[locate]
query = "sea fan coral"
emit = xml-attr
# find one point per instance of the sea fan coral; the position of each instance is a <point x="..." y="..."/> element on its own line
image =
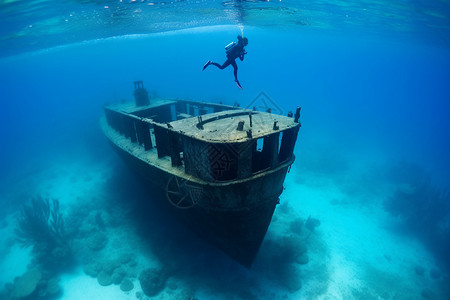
<point x="41" y="224"/>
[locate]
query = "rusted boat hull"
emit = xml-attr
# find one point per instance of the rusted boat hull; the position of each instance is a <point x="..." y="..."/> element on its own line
<point x="232" y="216"/>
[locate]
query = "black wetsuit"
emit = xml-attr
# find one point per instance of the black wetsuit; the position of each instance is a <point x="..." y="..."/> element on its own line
<point x="237" y="51"/>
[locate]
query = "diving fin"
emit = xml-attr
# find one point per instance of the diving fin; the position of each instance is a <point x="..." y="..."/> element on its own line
<point x="206" y="65"/>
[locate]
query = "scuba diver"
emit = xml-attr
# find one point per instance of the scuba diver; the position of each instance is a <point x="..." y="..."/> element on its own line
<point x="233" y="51"/>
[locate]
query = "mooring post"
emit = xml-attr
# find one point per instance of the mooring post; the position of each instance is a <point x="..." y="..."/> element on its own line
<point x="297" y="114"/>
<point x="275" y="125"/>
<point x="240" y="126"/>
<point x="200" y="122"/>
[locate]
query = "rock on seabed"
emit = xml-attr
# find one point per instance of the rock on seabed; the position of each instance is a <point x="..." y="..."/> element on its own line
<point x="152" y="281"/>
<point x="26" y="284"/>
<point x="126" y="285"/>
<point x="104" y="279"/>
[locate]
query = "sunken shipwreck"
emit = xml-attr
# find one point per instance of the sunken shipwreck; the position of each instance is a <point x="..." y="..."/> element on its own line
<point x="221" y="167"/>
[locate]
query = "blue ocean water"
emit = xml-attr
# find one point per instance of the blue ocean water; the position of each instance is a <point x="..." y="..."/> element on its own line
<point x="372" y="158"/>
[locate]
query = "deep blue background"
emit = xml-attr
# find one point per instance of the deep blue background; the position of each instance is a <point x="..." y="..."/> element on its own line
<point x="362" y="97"/>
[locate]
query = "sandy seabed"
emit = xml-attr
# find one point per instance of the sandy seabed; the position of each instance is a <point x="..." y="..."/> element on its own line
<point x="353" y="254"/>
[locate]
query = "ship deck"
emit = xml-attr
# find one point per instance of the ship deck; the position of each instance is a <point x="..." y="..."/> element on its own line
<point x="222" y="126"/>
<point x="217" y="127"/>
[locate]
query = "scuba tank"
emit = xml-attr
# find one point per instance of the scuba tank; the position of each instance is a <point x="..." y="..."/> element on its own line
<point x="230" y="47"/>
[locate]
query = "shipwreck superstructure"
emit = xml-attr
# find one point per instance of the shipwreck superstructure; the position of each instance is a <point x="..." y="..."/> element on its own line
<point x="222" y="167"/>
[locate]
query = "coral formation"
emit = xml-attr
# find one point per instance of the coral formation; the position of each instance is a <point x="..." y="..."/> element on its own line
<point x="312" y="223"/>
<point x="92" y="269"/>
<point x="25" y="285"/>
<point x="104" y="279"/>
<point x="111" y="270"/>
<point x="96" y="241"/>
<point x="152" y="281"/>
<point x="126" y="285"/>
<point x="118" y="275"/>
<point x="33" y="284"/>
<point x="41" y="223"/>
<point x="296" y="226"/>
<point x="41" y="226"/>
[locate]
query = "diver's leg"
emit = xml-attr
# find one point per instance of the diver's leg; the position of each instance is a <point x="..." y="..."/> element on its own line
<point x="225" y="64"/>
<point x="235" y="67"/>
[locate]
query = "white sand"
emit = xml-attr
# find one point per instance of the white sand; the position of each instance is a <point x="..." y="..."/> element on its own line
<point x="78" y="286"/>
